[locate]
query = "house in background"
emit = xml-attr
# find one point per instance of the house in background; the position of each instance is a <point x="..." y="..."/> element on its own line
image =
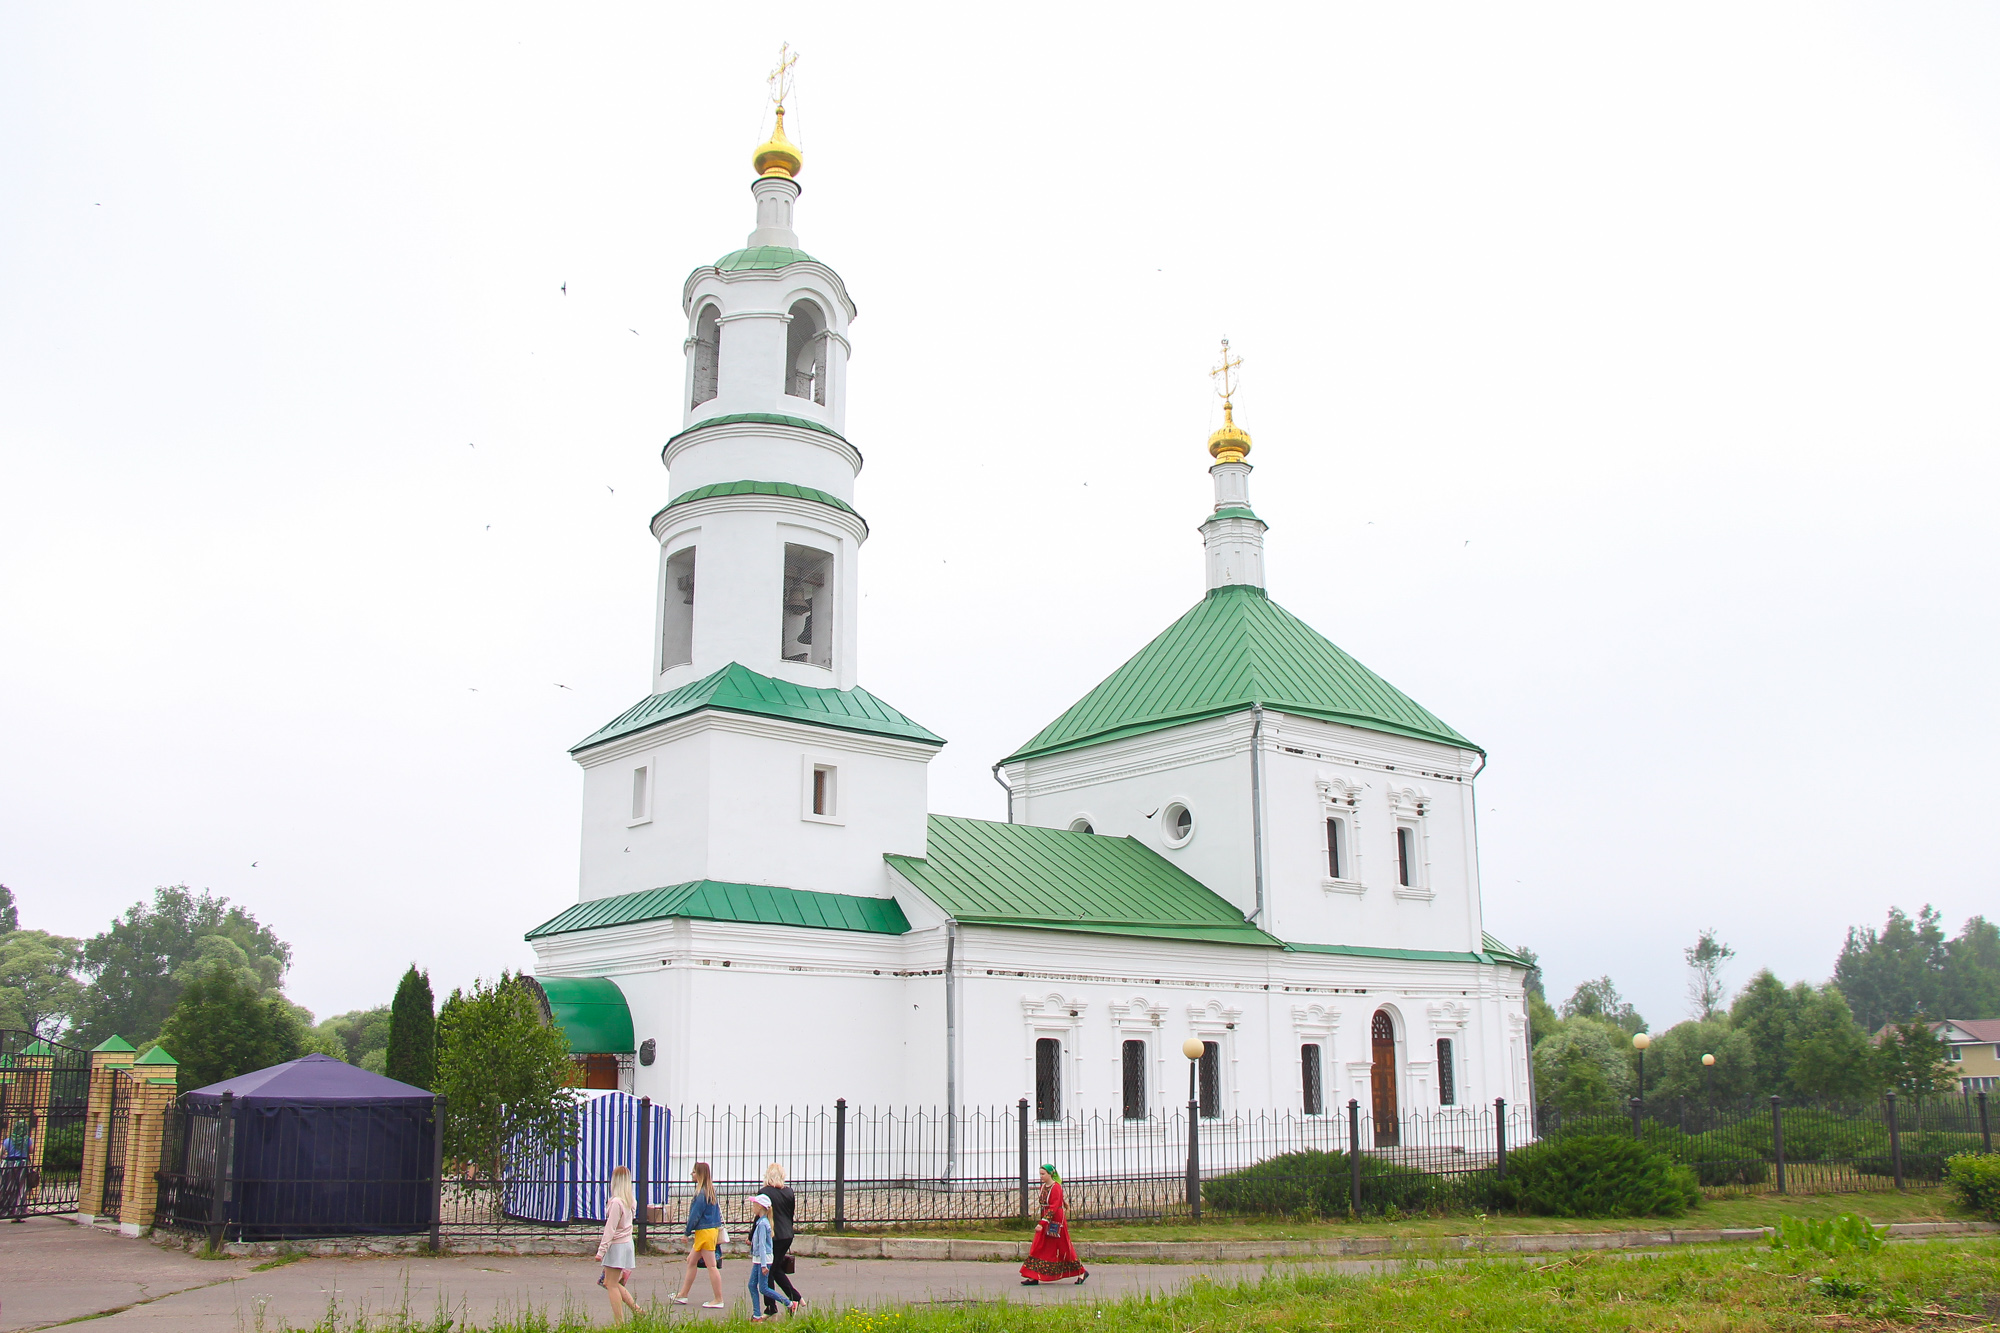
<point x="1975" y="1051"/>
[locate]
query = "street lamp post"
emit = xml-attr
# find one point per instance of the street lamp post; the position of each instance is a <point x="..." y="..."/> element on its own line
<point x="1194" y="1049"/>
<point x="1640" y="1041"/>
<point x="1708" y="1082"/>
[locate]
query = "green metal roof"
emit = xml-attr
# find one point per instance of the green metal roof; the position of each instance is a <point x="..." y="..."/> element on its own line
<point x="762" y="256"/>
<point x="737" y="689"/>
<point x="159" y="1055"/>
<point x="713" y="900"/>
<point x="1411" y="955"/>
<point x="1502" y="953"/>
<point x="759" y="419"/>
<point x="114" y="1045"/>
<point x="783" y="488"/>
<point x="1233" y="511"/>
<point x="984" y="873"/>
<point x="591" y="1011"/>
<point x="1236" y="648"/>
<point x="38" y="1048"/>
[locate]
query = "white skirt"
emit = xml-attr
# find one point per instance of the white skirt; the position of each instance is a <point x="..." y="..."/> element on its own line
<point x="619" y="1255"/>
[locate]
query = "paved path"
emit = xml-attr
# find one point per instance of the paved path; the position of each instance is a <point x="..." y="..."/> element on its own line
<point x="52" y="1271"/>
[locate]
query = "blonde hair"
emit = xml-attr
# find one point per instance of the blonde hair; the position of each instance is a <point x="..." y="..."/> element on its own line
<point x="621" y="1187"/>
<point x="704" y="1181"/>
<point x="774" y="1174"/>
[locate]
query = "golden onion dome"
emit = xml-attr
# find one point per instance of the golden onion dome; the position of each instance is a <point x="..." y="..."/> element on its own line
<point x="1232" y="442"/>
<point x="777" y="155"/>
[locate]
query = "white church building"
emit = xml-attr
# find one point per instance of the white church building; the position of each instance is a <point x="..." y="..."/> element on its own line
<point x="1242" y="836"/>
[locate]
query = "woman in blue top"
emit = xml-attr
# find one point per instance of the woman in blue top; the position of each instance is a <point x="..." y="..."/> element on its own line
<point x="704" y="1225"/>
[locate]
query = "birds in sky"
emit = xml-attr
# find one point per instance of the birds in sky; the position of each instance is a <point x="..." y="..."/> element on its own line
<point x="565" y="287"/>
<point x="559" y="685"/>
<point x="253" y="865"/>
<point x="611" y="489"/>
<point x="633" y="332"/>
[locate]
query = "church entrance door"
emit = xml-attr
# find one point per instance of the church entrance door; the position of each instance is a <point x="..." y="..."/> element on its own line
<point x="1382" y="1081"/>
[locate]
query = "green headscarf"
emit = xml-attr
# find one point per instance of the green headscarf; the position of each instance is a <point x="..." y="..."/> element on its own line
<point x="1053" y="1172"/>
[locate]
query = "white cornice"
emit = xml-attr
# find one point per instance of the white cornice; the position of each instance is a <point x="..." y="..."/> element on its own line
<point x="695" y="434"/>
<point x="776" y="276"/>
<point x="809" y="513"/>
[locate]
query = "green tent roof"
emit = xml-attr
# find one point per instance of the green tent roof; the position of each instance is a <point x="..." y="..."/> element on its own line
<point x="759" y="419"/>
<point x="782" y="488"/>
<point x="714" y="900"/>
<point x="737" y="689"/>
<point x="159" y="1055"/>
<point x="1236" y="648"/>
<point x="114" y="1045"/>
<point x="1051" y="879"/>
<point x="762" y="256"/>
<point x="591" y="1011"/>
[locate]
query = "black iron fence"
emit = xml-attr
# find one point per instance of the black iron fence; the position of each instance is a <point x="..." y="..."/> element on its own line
<point x="44" y="1101"/>
<point x="862" y="1167"/>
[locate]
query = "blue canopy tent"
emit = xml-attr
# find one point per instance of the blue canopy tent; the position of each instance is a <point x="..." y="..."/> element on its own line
<point x="315" y="1147"/>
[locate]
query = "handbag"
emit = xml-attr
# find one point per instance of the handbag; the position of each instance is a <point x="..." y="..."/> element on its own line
<point x="788" y="1265"/>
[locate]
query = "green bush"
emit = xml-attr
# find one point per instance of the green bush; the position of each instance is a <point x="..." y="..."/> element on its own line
<point x="1924" y="1155"/>
<point x="1318" y="1184"/>
<point x="1597" y="1176"/>
<point x="1976" y="1177"/>
<point x="64" y="1150"/>
<point x="1832" y="1235"/>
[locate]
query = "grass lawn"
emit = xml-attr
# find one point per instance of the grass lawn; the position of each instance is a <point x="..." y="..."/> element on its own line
<point x="1922" y="1285"/>
<point x="1916" y="1205"/>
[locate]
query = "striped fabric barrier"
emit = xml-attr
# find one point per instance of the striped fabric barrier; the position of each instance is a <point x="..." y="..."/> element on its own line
<point x="571" y="1186"/>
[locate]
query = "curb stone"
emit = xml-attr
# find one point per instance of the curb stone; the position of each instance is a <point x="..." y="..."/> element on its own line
<point x="1000" y="1251"/>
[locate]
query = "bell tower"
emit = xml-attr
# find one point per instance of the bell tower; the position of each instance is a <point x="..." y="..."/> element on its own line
<point x="757" y="759"/>
<point x="759" y="540"/>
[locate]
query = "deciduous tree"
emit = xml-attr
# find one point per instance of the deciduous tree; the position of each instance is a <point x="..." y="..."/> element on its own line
<point x="506" y="1077"/>
<point x="223" y="1025"/>
<point x="1705" y="961"/>
<point x="38" y="989"/>
<point x="139" y="967"/>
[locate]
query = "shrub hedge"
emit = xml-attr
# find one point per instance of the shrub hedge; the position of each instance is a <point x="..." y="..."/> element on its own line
<point x="1596" y="1175"/>
<point x="1318" y="1184"/>
<point x="1976" y="1177"/>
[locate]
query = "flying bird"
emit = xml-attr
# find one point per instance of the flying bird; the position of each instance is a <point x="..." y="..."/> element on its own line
<point x="253" y="865"/>
<point x="633" y="332"/>
<point x="559" y="685"/>
<point x="565" y="287"/>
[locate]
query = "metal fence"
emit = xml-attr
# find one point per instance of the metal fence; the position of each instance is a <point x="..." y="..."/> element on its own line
<point x="862" y="1166"/>
<point x="44" y="1100"/>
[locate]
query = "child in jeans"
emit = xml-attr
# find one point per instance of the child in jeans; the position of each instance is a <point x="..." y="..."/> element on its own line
<point x="761" y="1291"/>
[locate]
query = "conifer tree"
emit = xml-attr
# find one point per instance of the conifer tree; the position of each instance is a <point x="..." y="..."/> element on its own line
<point x="413" y="1031"/>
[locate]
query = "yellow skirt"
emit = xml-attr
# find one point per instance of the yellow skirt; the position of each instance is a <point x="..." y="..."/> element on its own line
<point x="705" y="1238"/>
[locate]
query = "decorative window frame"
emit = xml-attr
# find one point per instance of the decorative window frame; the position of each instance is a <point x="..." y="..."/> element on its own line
<point x="1409" y="808"/>
<point x="1340" y="799"/>
<point x="1316" y="1025"/>
<point x="1082" y="817"/>
<point x="1052" y="1015"/>
<point x="644" y="815"/>
<point x="808" y="763"/>
<point x="1139" y="1020"/>
<point x="1448" y="1020"/>
<point x="1216" y="1022"/>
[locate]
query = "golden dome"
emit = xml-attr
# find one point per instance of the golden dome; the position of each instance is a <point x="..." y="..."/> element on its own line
<point x="1232" y="442"/>
<point x="777" y="155"/>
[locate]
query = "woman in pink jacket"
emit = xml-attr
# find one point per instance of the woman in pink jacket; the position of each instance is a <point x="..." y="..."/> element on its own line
<point x="614" y="1247"/>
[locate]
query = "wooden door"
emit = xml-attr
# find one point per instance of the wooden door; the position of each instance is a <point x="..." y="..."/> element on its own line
<point x="1382" y="1081"/>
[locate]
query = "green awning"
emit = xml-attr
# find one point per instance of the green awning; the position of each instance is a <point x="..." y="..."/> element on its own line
<point x="591" y="1011"/>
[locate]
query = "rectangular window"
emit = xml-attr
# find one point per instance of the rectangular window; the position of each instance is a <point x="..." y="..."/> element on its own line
<point x="1309" y="1079"/>
<point x="1336" y="849"/>
<point x="824" y="790"/>
<point x="642" y="793"/>
<point x="1447" y="1076"/>
<point x="1406" y="838"/>
<point x="1048" y="1078"/>
<point x="1211" y="1080"/>
<point x="808" y="613"/>
<point x="1135" y="1080"/>
<point x="677" y="611"/>
<point x="1957" y="1053"/>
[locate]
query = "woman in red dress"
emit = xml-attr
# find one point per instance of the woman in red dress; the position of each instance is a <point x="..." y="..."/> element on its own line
<point x="1052" y="1256"/>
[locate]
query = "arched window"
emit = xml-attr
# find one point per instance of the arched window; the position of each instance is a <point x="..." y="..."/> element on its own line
<point x="707" y="355"/>
<point x="677" y="612"/>
<point x="805" y="354"/>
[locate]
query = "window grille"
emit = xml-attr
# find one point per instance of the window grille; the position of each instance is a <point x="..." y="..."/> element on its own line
<point x="1309" y="1079"/>
<point x="1135" y="1080"/>
<point x="1048" y="1078"/>
<point x="1211" y="1080"/>
<point x="1336" y="849"/>
<point x="1405" y="847"/>
<point x="1447" y="1076"/>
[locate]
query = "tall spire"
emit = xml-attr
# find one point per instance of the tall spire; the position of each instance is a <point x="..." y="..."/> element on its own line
<point x="777" y="162"/>
<point x="1233" y="535"/>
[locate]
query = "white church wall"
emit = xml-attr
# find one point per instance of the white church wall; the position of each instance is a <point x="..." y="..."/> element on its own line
<point x="735" y="453"/>
<point x="731" y="799"/>
<point x="1127" y="787"/>
<point x="1373" y="783"/>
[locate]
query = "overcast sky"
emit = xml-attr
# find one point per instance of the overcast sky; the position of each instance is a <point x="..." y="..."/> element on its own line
<point x="1623" y="382"/>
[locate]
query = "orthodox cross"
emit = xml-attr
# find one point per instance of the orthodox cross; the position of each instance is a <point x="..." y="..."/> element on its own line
<point x="1225" y="374"/>
<point x="781" y="77"/>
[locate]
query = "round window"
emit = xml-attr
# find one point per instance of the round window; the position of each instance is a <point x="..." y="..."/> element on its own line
<point x="1179" y="825"/>
<point x="1081" y="826"/>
